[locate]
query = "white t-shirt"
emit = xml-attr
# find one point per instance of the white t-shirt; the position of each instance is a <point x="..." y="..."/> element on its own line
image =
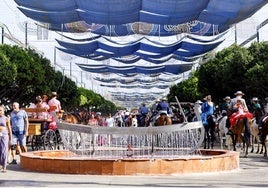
<point x="110" y="122"/>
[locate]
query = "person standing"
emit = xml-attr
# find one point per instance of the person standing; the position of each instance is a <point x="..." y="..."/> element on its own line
<point x="198" y="106"/>
<point x="110" y="120"/>
<point x="19" y="125"/>
<point x="55" y="107"/>
<point x="92" y="120"/>
<point x="54" y="102"/>
<point x="44" y="102"/>
<point x="5" y="129"/>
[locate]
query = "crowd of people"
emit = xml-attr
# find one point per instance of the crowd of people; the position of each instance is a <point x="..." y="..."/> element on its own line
<point x="235" y="109"/>
<point x="14" y="127"/>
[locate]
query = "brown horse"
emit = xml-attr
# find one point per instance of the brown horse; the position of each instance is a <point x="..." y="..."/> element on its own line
<point x="70" y="118"/>
<point x="264" y="133"/>
<point x="163" y="120"/>
<point x="241" y="133"/>
<point x="83" y="116"/>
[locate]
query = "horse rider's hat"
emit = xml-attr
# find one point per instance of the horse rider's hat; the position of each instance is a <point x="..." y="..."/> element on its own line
<point x="227" y="98"/>
<point x="198" y="102"/>
<point x="255" y="99"/>
<point x="164" y="99"/>
<point x="97" y="114"/>
<point x="239" y="93"/>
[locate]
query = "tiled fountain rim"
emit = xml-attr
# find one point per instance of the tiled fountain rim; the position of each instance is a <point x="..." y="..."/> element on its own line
<point x="57" y="162"/>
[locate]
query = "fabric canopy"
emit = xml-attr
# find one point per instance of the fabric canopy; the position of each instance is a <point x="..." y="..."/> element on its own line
<point x="196" y="28"/>
<point x="187" y="49"/>
<point x="160" y="15"/>
<point x="151" y="80"/>
<point x="129" y="70"/>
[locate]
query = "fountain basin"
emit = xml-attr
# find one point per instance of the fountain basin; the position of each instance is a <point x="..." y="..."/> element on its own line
<point x="67" y="162"/>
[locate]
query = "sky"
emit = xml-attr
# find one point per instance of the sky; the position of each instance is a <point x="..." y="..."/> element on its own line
<point x="44" y="42"/>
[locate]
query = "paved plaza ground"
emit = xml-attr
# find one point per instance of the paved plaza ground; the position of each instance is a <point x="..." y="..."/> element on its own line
<point x="253" y="172"/>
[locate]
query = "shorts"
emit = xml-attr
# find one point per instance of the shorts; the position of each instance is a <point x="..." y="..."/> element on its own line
<point x="21" y="139"/>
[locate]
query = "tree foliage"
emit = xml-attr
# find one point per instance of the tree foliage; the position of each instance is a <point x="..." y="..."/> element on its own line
<point x="186" y="90"/>
<point x="234" y="68"/>
<point x="26" y="74"/>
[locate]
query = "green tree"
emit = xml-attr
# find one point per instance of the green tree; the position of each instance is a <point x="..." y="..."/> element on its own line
<point x="8" y="70"/>
<point x="234" y="68"/>
<point x="186" y="90"/>
<point x="225" y="73"/>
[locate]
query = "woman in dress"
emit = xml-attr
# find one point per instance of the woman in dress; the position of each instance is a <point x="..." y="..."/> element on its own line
<point x="5" y="138"/>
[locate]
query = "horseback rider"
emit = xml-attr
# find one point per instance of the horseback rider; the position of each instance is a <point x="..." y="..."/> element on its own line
<point x="261" y="120"/>
<point x="256" y="108"/>
<point x="163" y="107"/>
<point x="237" y="110"/>
<point x="154" y="107"/>
<point x="225" y="104"/>
<point x="207" y="109"/>
<point x="255" y="104"/>
<point x="144" y="110"/>
<point x="164" y="113"/>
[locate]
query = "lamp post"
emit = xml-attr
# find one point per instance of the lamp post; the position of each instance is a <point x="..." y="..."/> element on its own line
<point x="3" y="34"/>
<point x="26" y="34"/>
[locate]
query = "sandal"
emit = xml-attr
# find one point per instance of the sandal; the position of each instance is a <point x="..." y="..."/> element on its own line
<point x="4" y="170"/>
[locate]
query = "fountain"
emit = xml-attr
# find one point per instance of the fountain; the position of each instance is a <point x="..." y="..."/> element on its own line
<point x="162" y="150"/>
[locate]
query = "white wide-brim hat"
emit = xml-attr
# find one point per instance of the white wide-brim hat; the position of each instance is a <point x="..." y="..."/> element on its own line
<point x="198" y="102"/>
<point x="227" y="98"/>
<point x="255" y="99"/>
<point x="239" y="93"/>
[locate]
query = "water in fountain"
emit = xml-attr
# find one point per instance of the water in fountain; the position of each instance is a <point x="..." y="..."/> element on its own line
<point x="172" y="141"/>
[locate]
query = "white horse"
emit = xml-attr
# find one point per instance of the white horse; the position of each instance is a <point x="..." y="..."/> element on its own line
<point x="226" y="140"/>
<point x="255" y="136"/>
